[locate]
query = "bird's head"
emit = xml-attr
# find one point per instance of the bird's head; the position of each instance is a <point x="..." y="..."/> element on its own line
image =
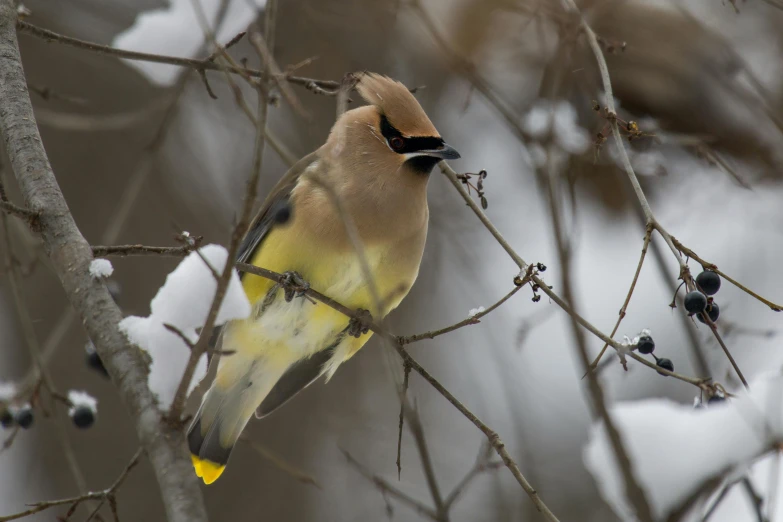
<point x="392" y="133"/>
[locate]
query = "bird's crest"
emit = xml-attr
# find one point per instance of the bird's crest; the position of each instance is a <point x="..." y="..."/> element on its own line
<point x="395" y="101"/>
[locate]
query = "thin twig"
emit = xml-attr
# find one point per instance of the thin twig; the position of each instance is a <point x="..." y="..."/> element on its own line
<point x="22" y="213"/>
<point x="414" y="424"/>
<point x="452" y="176"/>
<point x="482" y="465"/>
<point x="624" y="308"/>
<point x="725" y="348"/>
<point x="279" y="463"/>
<point x="140" y="250"/>
<point x="633" y="490"/>
<point x="387" y="488"/>
<point x="100" y="496"/>
<point x="473" y="319"/>
<point x="711" y="266"/>
<point x="325" y="87"/>
<point x="406" y="370"/>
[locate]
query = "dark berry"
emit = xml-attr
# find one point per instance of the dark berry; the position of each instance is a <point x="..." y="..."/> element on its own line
<point x="94" y="360"/>
<point x="83" y="417"/>
<point x="666" y="364"/>
<point x="716" y="399"/>
<point x="709" y="282"/>
<point x="713" y="310"/>
<point x="695" y="302"/>
<point x="6" y="418"/>
<point x="24" y="417"/>
<point x="646" y="345"/>
<point x="114" y="289"/>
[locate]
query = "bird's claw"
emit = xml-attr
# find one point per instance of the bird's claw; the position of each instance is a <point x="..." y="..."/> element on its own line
<point x="293" y="285"/>
<point x="360" y="324"/>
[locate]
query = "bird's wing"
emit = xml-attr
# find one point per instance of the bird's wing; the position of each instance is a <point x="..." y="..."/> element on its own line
<point x="263" y="223"/>
<point x="275" y="201"/>
<point x="296" y="378"/>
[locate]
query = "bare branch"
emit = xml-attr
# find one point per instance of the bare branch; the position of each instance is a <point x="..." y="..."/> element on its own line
<point x="325" y="87"/>
<point x="70" y="256"/>
<point x="140" y="250"/>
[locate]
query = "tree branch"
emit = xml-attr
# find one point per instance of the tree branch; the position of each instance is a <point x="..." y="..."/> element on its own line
<point x="70" y="257"/>
<point x="325" y="87"/>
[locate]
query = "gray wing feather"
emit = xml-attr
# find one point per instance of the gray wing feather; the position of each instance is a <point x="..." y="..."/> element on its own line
<point x="298" y="377"/>
<point x="278" y="198"/>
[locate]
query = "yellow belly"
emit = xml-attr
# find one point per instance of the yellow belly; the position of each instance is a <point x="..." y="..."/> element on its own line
<point x="286" y="332"/>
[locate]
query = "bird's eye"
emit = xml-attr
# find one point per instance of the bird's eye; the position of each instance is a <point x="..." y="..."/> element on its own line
<point x="396" y="143"/>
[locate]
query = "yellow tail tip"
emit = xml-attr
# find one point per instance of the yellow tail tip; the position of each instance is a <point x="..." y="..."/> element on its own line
<point x="207" y="470"/>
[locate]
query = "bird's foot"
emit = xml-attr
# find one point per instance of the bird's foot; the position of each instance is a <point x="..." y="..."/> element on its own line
<point x="360" y="324"/>
<point x="293" y="285"/>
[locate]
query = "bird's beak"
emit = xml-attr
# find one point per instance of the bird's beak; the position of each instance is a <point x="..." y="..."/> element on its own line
<point x="443" y="152"/>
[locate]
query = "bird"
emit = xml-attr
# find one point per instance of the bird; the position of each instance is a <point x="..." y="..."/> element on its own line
<point x="369" y="177"/>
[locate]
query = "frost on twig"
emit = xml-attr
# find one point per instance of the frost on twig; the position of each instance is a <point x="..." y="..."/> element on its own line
<point x="178" y="311"/>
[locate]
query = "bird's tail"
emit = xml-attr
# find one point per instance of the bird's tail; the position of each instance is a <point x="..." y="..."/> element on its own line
<point x="225" y="410"/>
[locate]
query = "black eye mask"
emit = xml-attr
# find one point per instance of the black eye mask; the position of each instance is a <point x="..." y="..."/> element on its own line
<point x="402" y="145"/>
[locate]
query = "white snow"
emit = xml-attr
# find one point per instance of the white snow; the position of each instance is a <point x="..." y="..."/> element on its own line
<point x="538" y="121"/>
<point x="475" y="311"/>
<point x="81" y="398"/>
<point x="559" y="119"/>
<point x="176" y="31"/>
<point x="7" y="391"/>
<point x="100" y="268"/>
<point x="675" y="448"/>
<point x="183" y="301"/>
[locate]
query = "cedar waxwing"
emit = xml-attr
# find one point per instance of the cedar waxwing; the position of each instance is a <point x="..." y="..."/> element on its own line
<point x="377" y="160"/>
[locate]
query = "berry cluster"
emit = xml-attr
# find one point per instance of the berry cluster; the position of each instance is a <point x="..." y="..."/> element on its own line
<point x="82" y="410"/>
<point x="21" y="416"/>
<point x="644" y="344"/>
<point x="478" y="187"/>
<point x="717" y="397"/>
<point x="700" y="302"/>
<point x="17" y="409"/>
